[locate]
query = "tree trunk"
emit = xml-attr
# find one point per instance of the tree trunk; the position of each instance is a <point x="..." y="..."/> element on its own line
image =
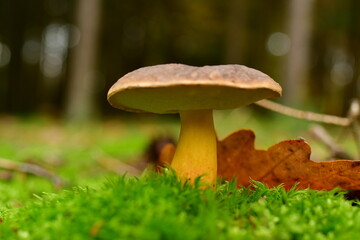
<point x="15" y="93"/>
<point x="300" y="18"/>
<point x="353" y="89"/>
<point x="80" y="104"/>
<point x="235" y="31"/>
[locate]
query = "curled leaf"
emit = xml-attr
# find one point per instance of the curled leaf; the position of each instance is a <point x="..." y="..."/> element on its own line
<point x="166" y="155"/>
<point x="287" y="163"/>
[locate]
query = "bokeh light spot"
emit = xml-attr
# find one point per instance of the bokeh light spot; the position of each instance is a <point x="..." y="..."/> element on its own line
<point x="5" y="55"/>
<point x="278" y="44"/>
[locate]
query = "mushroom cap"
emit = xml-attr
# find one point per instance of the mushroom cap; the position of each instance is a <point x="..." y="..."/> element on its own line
<point x="170" y="88"/>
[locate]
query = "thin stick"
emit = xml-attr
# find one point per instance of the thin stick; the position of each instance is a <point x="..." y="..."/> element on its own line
<point x="352" y="119"/>
<point x="32" y="169"/>
<point x="356" y="131"/>
<point x="311" y="116"/>
<point x="119" y="167"/>
<point x="353" y="115"/>
<point x="336" y="150"/>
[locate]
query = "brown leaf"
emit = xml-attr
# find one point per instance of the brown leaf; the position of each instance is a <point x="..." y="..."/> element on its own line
<point x="287" y="162"/>
<point x="166" y="155"/>
<point x="96" y="227"/>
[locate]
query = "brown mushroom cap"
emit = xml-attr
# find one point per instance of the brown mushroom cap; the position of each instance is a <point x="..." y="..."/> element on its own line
<point x="170" y="88"/>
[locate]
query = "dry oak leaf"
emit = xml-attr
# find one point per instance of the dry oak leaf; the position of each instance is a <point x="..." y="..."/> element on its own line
<point x="287" y="162"/>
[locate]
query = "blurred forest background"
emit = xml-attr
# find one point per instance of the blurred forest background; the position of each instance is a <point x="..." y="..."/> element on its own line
<point x="60" y="57"/>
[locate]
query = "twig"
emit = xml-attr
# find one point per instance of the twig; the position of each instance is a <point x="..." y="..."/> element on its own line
<point x="351" y="121"/>
<point x="32" y="169"/>
<point x="119" y="167"/>
<point x="353" y="115"/>
<point x="336" y="150"/>
<point x="311" y="116"/>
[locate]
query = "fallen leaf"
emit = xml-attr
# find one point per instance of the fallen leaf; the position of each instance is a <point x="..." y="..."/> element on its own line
<point x="166" y="155"/>
<point x="94" y="230"/>
<point x="287" y="163"/>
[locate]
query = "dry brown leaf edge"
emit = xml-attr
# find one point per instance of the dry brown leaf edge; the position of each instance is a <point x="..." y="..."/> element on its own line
<point x="287" y="163"/>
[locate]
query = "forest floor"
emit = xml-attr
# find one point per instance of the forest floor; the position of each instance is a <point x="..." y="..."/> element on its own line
<point x="84" y="194"/>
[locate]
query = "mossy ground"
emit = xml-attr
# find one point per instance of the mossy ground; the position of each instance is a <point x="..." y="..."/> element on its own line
<point x="99" y="204"/>
<point x="159" y="207"/>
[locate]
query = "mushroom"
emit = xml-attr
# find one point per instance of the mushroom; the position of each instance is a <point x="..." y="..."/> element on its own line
<point x="193" y="92"/>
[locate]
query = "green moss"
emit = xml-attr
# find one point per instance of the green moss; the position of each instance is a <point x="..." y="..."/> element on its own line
<point x="159" y="207"/>
<point x="153" y="206"/>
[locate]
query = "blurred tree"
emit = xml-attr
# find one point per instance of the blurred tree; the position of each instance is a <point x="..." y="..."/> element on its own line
<point x="335" y="55"/>
<point x="42" y="76"/>
<point x="80" y="103"/>
<point x="15" y="31"/>
<point x="235" y="31"/>
<point x="353" y="89"/>
<point x="297" y="71"/>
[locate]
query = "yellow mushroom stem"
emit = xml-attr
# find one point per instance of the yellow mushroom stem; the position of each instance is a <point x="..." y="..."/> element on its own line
<point x="196" y="153"/>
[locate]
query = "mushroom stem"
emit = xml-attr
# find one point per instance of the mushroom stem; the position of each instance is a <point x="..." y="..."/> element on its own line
<point x="196" y="153"/>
